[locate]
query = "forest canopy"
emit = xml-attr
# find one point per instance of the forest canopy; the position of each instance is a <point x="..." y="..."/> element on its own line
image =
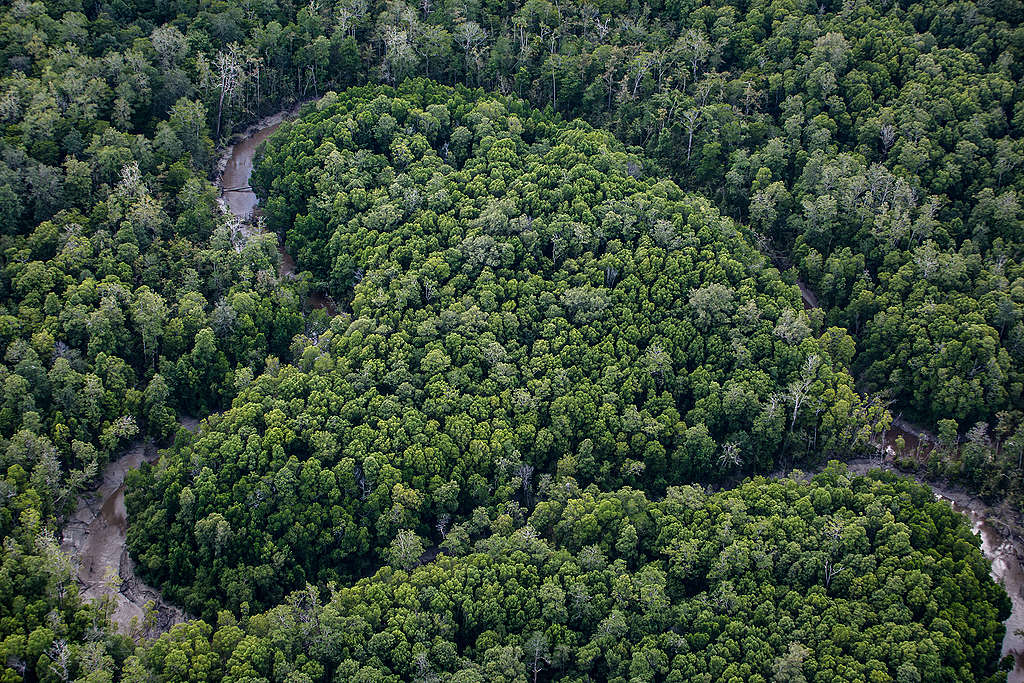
<point x="566" y="240"/>
<point x="846" y="578"/>
<point x="529" y="308"/>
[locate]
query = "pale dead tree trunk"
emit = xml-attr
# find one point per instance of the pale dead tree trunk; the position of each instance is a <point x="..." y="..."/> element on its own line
<point x="704" y="89"/>
<point x="699" y="48"/>
<point x="470" y="36"/>
<point x="525" y="474"/>
<point x="229" y="75"/>
<point x="443" y="522"/>
<point x="519" y="33"/>
<point x="833" y="534"/>
<point x="832" y="570"/>
<point x="643" y="62"/>
<point x="537" y="650"/>
<point x="798" y="390"/>
<point x="257" y="85"/>
<point x="609" y="80"/>
<point x="60" y="659"/>
<point x="694" y="120"/>
<point x="348" y="12"/>
<point x="554" y="51"/>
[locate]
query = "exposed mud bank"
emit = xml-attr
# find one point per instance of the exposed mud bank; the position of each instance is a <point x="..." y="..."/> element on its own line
<point x="95" y="537"/>
<point x="809" y="299"/>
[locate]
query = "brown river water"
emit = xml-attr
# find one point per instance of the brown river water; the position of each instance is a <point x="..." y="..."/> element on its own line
<point x="96" y="534"/>
<point x="234" y="181"/>
<point x="238" y="198"/>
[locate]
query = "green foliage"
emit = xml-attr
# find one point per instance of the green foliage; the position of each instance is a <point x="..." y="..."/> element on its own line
<point x="531" y="307"/>
<point x="524" y="304"/>
<point x="47" y="631"/>
<point x="846" y="578"/>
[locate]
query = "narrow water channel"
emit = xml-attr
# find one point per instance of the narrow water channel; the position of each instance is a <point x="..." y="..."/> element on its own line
<point x="96" y="535"/>
<point x="234" y="180"/>
<point x="238" y="197"/>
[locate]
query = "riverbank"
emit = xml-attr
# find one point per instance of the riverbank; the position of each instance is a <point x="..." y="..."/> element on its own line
<point x="95" y="536"/>
<point x="234" y="170"/>
<point x="228" y="151"/>
<point x="1002" y="543"/>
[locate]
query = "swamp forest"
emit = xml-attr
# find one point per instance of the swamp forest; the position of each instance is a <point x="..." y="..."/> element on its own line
<point x="511" y="340"/>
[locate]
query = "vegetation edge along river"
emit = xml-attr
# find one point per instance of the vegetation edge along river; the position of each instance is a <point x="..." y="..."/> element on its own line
<point x="132" y="595"/>
<point x="554" y="318"/>
<point x="1001" y="543"/>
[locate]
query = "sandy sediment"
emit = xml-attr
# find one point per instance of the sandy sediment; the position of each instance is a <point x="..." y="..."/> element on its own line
<point x="95" y="537"/>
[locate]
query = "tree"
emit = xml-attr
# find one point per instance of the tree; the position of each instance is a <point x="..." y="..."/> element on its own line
<point x="789" y="666"/>
<point x="536" y="648"/>
<point x="229" y="67"/>
<point x="405" y="549"/>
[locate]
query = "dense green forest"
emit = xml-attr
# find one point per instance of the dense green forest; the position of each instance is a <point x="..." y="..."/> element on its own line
<point x="566" y="240"/>
<point x="852" y="580"/>
<point x="527" y="311"/>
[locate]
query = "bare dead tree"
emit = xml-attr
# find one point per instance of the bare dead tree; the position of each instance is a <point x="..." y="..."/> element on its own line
<point x="698" y="48"/>
<point x="642" y="64"/>
<point x="525" y="474"/>
<point x="537" y="651"/>
<point x="230" y="74"/>
<point x="693" y="119"/>
<point x="444" y="521"/>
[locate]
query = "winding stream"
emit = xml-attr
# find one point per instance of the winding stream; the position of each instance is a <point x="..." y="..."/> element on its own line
<point x="234" y="179"/>
<point x="238" y="198"/>
<point x="96" y="534"/>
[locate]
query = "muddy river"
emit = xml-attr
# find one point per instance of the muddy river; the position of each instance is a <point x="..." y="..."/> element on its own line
<point x="238" y="198"/>
<point x="95" y="536"/>
<point x="234" y="180"/>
